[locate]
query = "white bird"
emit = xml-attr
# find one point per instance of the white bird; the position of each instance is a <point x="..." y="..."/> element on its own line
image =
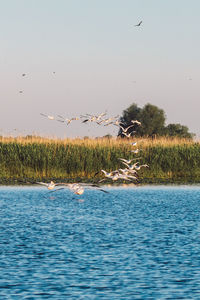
<point x="131" y="167"/>
<point x="109" y="174"/>
<point x="118" y="123"/>
<point x="47" y="116"/>
<point x="139" y="167"/>
<point x="135" y="151"/>
<point x="76" y="188"/>
<point x="66" y="120"/>
<point x="123" y="177"/>
<point x="128" y="161"/>
<point x="132" y="177"/>
<point x="134" y="144"/>
<point x="110" y="120"/>
<point x="125" y="129"/>
<point x="136" y="122"/>
<point x="127" y="171"/>
<point x="98" y="117"/>
<point x="118" y="176"/>
<point x="128" y="135"/>
<point x="50" y="185"/>
<point x="79" y="188"/>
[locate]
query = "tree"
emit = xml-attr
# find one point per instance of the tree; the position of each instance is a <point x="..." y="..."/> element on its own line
<point x="178" y="130"/>
<point x="152" y="121"/>
<point x="151" y="117"/>
<point x="131" y="113"/>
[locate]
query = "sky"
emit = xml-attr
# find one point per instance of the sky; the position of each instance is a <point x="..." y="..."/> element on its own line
<point x="86" y="56"/>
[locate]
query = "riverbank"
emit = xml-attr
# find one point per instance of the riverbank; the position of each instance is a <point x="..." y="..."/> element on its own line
<point x="24" y="160"/>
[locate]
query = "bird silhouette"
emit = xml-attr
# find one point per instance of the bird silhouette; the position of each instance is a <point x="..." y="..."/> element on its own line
<point x="139" y="23"/>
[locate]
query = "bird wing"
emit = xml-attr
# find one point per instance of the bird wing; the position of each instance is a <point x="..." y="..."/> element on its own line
<point x="123" y="159"/>
<point x="43" y="115"/>
<point x="125" y="164"/>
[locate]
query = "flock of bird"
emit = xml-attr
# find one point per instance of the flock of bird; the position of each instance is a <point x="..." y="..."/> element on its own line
<point x="128" y="173"/>
<point x="76" y="188"/>
<point x="130" y="170"/>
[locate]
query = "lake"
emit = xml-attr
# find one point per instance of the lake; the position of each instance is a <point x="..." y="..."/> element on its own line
<point x="133" y="243"/>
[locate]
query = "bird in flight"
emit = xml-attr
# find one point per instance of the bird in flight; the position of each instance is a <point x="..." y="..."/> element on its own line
<point x="76" y="188"/>
<point x="50" y="185"/>
<point x="23" y="74"/>
<point x="49" y="117"/>
<point x="139" y="24"/>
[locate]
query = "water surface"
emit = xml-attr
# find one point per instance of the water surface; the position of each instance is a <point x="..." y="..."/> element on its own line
<point x="133" y="243"/>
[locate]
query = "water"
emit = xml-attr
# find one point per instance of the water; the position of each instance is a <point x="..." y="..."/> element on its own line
<point x="133" y="243"/>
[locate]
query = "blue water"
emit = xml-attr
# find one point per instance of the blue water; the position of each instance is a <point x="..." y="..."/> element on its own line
<point x="133" y="243"/>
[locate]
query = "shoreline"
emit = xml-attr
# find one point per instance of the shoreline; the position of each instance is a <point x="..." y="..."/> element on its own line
<point x="144" y="182"/>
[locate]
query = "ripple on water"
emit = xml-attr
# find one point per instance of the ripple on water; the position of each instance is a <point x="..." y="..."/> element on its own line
<point x="133" y="243"/>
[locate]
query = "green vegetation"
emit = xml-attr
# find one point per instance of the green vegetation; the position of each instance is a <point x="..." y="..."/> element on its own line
<point x="23" y="160"/>
<point x="152" y="119"/>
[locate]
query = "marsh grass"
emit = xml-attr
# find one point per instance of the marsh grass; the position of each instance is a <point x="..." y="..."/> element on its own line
<point x="38" y="158"/>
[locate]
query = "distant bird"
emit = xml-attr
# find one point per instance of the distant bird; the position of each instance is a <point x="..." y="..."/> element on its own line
<point x="109" y="174"/>
<point x="49" y="117"/>
<point x="134" y="143"/>
<point x="139" y="167"/>
<point x="118" y="123"/>
<point x="66" y="120"/>
<point x="131" y="167"/>
<point x="139" y="24"/>
<point x="122" y="176"/>
<point x="50" y="185"/>
<point x="136" y="151"/>
<point x="127" y="171"/>
<point x="136" y="122"/>
<point x="79" y="188"/>
<point x="126" y="129"/>
<point x="23" y="74"/>
<point x="128" y="161"/>
<point x="128" y="135"/>
<point x="20" y="92"/>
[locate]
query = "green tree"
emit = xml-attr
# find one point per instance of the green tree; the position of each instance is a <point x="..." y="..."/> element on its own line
<point x="131" y="113"/>
<point x="151" y="117"/>
<point x="152" y="121"/>
<point x="178" y="130"/>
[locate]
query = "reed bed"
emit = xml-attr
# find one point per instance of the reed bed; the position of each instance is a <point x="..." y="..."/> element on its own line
<point x="38" y="158"/>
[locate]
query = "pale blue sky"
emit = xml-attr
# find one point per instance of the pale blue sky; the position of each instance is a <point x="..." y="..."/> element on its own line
<point x="102" y="62"/>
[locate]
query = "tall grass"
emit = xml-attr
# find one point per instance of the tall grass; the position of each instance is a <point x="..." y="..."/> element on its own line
<point x="37" y="158"/>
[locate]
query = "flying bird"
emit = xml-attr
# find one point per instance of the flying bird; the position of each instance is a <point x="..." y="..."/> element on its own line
<point x="50" y="185"/>
<point x="128" y="135"/>
<point x="136" y="122"/>
<point x="128" y="161"/>
<point x="49" y="117"/>
<point x="79" y="188"/>
<point x="139" y="24"/>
